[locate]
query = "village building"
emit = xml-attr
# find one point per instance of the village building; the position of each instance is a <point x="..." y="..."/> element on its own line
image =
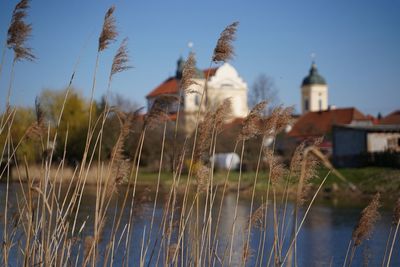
<point x="357" y="145"/>
<point x="222" y="83"/>
<point x="392" y="118"/>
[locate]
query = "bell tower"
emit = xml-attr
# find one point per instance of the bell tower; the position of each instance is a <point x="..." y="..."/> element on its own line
<point x="314" y="91"/>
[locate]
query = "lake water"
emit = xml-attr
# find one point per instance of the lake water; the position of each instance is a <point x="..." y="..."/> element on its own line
<point x="322" y="241"/>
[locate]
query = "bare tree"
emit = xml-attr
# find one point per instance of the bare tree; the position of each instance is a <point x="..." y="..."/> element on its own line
<point x="262" y="89"/>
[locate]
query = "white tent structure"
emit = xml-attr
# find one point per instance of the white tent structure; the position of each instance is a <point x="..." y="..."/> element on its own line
<point x="225" y="161"/>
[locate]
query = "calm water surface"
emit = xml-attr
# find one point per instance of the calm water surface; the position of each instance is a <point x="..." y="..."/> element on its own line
<point x="323" y="239"/>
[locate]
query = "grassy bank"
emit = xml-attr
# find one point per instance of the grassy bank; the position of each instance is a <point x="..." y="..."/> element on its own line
<point x="368" y="180"/>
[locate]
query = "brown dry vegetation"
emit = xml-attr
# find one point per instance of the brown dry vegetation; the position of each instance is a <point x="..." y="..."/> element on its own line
<point x="44" y="230"/>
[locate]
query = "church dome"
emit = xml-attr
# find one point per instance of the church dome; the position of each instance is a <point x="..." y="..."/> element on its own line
<point x="313" y="77"/>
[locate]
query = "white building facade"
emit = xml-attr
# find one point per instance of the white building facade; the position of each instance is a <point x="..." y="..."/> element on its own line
<point x="223" y="82"/>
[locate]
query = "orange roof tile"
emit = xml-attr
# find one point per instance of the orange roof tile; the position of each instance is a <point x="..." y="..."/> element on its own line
<point x="320" y="122"/>
<point x="392" y="118"/>
<point x="169" y="86"/>
<point x="211" y="70"/>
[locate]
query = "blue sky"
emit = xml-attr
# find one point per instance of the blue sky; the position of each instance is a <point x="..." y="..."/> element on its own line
<point x="356" y="43"/>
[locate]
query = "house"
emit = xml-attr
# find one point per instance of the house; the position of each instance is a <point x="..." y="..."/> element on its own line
<point x="222" y="82"/>
<point x="320" y="123"/>
<point x="391" y="119"/>
<point x="359" y="145"/>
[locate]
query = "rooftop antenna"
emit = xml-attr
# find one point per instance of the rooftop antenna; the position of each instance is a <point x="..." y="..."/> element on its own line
<point x="190" y="46"/>
<point x="313" y="57"/>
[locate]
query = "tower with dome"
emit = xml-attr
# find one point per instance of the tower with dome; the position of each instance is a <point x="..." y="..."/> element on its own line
<point x="314" y="91"/>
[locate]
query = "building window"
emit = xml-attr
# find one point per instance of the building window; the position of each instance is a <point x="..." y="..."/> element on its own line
<point x="306" y="105"/>
<point x="197" y="100"/>
<point x="320" y="104"/>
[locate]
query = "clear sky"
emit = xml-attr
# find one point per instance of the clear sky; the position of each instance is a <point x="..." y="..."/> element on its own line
<point x="357" y="44"/>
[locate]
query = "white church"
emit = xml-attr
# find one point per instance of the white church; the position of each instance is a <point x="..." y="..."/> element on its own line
<point x="223" y="82"/>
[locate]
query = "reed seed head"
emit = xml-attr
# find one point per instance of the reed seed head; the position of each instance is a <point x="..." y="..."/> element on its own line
<point x="38" y="128"/>
<point x="222" y="113"/>
<point x="19" y="32"/>
<point x="368" y="218"/>
<point x="159" y="110"/>
<point x="202" y="174"/>
<point x="252" y="125"/>
<point x="223" y="51"/>
<point x="109" y="31"/>
<point x="277" y="169"/>
<point x="188" y="74"/>
<point x="258" y="216"/>
<point x="121" y="59"/>
<point x="396" y="213"/>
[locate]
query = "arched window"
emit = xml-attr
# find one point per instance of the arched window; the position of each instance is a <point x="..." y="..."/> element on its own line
<point x="306" y="105"/>
<point x="197" y="100"/>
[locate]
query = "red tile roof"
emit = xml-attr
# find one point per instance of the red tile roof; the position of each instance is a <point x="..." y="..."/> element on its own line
<point x="392" y="118"/>
<point x="212" y="71"/>
<point x="171" y="85"/>
<point x="320" y="122"/>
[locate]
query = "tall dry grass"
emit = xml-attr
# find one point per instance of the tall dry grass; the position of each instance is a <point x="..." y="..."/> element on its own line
<point x="46" y="231"/>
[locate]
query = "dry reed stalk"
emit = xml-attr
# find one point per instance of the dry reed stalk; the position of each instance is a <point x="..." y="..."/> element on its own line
<point x="19" y="32"/>
<point x="224" y="51"/>
<point x="121" y="59"/>
<point x="396" y="222"/>
<point x="109" y="31"/>
<point x="365" y="225"/>
<point x="188" y="74"/>
<point x="212" y="122"/>
<point x="252" y="124"/>
<point x="202" y="174"/>
<point x="38" y="128"/>
<point x="309" y="169"/>
<point x="276" y="167"/>
<point x="396" y="213"/>
<point x="159" y="111"/>
<point x="297" y="229"/>
<point x="258" y="216"/>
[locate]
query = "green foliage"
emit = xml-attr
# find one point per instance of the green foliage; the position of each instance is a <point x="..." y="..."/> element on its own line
<point x="28" y="148"/>
<point x="72" y="129"/>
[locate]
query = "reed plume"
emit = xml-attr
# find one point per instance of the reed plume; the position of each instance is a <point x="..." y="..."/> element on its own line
<point x="222" y="113"/>
<point x="202" y="174"/>
<point x="213" y="121"/>
<point x="159" y="110"/>
<point x="247" y="253"/>
<point x="188" y="74"/>
<point x="311" y="169"/>
<point x="203" y="141"/>
<point x="109" y="31"/>
<point x="258" y="215"/>
<point x="368" y="218"/>
<point x="121" y="59"/>
<point x="396" y="213"/>
<point x="277" y="168"/>
<point x="122" y="164"/>
<point x="297" y="157"/>
<point x="171" y="251"/>
<point x="19" y="32"/>
<point x="38" y="128"/>
<point x="252" y="125"/>
<point x="223" y="51"/>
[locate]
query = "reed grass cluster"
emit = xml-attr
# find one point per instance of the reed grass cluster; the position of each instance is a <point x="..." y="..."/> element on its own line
<point x="44" y="226"/>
